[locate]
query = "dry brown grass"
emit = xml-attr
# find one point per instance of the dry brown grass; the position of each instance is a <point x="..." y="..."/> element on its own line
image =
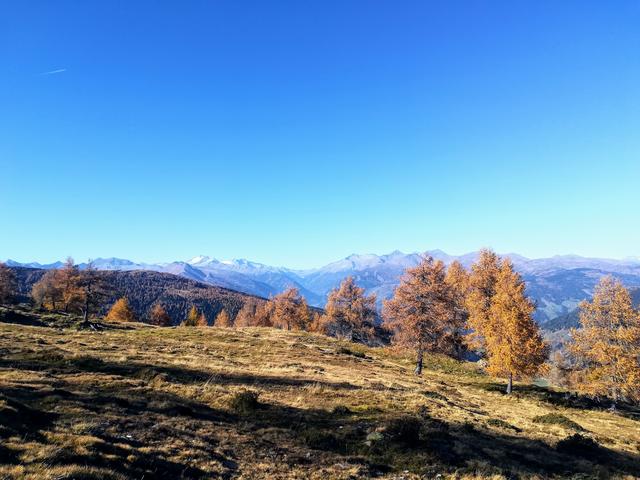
<point x="162" y="403"/>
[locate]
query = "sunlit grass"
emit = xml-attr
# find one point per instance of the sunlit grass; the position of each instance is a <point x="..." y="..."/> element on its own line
<point x="140" y="400"/>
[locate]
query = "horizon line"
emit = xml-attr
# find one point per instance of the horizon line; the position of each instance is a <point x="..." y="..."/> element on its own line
<point x="629" y="258"/>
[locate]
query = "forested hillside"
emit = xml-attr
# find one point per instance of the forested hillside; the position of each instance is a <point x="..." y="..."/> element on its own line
<point x="144" y="289"/>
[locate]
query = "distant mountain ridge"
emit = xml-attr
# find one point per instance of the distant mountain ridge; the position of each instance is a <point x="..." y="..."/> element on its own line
<point x="557" y="284"/>
<point x="572" y="319"/>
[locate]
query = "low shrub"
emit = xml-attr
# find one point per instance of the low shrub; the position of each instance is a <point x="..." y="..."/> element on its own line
<point x="496" y="422"/>
<point x="578" y="445"/>
<point x="341" y="410"/>
<point x="245" y="402"/>
<point x="87" y="363"/>
<point x="405" y="430"/>
<point x="434" y="395"/>
<point x="558" y="419"/>
<point x="348" y="351"/>
<point x="320" y="440"/>
<point x="468" y="427"/>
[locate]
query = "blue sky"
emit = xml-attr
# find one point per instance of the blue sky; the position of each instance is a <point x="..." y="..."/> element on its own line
<point x="296" y="133"/>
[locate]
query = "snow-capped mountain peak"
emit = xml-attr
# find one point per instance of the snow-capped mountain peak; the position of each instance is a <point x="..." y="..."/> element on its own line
<point x="200" y="260"/>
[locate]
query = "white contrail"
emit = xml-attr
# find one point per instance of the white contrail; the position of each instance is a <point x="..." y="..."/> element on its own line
<point x="52" y="72"/>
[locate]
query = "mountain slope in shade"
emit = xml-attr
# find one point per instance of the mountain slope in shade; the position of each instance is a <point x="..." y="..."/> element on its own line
<point x="144" y="288"/>
<point x="572" y="319"/>
<point x="557" y="284"/>
<point x="46" y="266"/>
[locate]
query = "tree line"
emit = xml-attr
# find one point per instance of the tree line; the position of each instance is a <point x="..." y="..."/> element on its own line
<point x="67" y="289"/>
<point x="434" y="309"/>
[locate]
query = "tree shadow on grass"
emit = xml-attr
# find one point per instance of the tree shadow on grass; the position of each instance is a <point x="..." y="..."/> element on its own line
<point x="135" y="424"/>
<point x="424" y="445"/>
<point x="19" y="318"/>
<point x="56" y="361"/>
<point x="563" y="399"/>
<point x="19" y="419"/>
<point x="124" y="432"/>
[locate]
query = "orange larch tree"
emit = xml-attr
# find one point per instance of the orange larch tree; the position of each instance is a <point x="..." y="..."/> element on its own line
<point x="121" y="311"/>
<point x="68" y="281"/>
<point x="159" y="316"/>
<point x="223" y="319"/>
<point x="47" y="292"/>
<point x="290" y="311"/>
<point x="202" y="320"/>
<point x="264" y="315"/>
<point x="192" y="318"/>
<point x="481" y="289"/>
<point x="349" y="313"/>
<point x="246" y="315"/>
<point x="607" y="344"/>
<point x="513" y="342"/>
<point x="423" y="313"/>
<point x="458" y="280"/>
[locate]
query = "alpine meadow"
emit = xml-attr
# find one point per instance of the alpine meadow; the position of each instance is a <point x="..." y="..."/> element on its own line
<point x="272" y="140"/>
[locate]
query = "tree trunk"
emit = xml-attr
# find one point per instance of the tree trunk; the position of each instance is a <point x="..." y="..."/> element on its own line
<point x="418" y="370"/>
<point x="614" y="400"/>
<point x="510" y="384"/>
<point x="85" y="313"/>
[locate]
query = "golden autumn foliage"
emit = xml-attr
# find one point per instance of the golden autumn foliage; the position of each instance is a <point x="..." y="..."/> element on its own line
<point x="246" y="315"/>
<point x="223" y="319"/>
<point x="315" y="325"/>
<point x="263" y="316"/>
<point x="481" y="289"/>
<point x="8" y="284"/>
<point x="512" y="339"/>
<point x="121" y="312"/>
<point x="426" y="312"/>
<point x="290" y="311"/>
<point x="349" y="313"/>
<point x="458" y="279"/>
<point x="60" y="289"/>
<point x="192" y="319"/>
<point x="607" y="344"/>
<point x="68" y="279"/>
<point x="159" y="316"/>
<point x="202" y="320"/>
<point x="47" y="292"/>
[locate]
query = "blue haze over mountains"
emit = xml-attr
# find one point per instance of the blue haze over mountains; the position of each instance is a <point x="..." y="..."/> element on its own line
<point x="557" y="284"/>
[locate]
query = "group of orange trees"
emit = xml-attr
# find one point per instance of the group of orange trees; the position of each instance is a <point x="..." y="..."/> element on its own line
<point x="121" y="312"/>
<point x="435" y="308"/>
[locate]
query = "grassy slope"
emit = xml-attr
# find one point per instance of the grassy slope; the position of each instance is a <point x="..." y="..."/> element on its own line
<point x="138" y="401"/>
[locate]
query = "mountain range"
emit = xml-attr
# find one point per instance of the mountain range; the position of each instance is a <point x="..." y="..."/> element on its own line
<point x="557" y="284"/>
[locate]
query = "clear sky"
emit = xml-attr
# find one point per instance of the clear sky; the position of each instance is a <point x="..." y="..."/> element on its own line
<point x="295" y="133"/>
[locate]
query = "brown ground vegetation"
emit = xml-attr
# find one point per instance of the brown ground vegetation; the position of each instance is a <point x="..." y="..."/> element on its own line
<point x="132" y="400"/>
